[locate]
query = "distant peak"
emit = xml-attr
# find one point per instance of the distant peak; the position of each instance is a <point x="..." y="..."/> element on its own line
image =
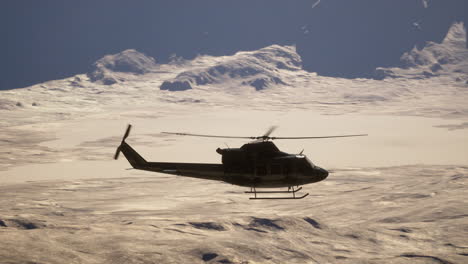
<point x="456" y="35"/>
<point x="127" y="61"/>
<point x="446" y="58"/>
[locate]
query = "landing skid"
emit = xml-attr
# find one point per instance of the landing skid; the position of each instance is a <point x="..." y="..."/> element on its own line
<point x="291" y="190"/>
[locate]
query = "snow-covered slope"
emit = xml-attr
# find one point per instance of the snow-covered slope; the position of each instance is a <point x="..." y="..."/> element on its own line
<point x="259" y="69"/>
<point x="447" y="58"/>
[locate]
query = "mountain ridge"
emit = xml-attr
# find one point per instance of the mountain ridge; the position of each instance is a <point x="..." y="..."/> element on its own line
<point x="259" y="69"/>
<point x="450" y="57"/>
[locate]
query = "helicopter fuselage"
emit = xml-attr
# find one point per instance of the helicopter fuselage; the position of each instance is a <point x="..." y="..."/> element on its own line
<point x="262" y="164"/>
<point x="259" y="165"/>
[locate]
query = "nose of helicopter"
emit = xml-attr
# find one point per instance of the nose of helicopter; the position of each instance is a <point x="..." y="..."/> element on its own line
<point x="323" y="174"/>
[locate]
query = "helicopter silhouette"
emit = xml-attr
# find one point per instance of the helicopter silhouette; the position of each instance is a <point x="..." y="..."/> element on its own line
<point x="257" y="164"/>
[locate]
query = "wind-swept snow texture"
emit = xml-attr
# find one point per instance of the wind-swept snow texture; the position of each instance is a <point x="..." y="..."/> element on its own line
<point x="435" y="59"/>
<point x="407" y="214"/>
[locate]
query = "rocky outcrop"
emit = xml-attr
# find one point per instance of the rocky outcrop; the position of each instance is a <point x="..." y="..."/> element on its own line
<point x="129" y="61"/>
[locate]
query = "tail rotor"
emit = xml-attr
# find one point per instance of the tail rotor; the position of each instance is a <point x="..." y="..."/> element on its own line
<point x="127" y="133"/>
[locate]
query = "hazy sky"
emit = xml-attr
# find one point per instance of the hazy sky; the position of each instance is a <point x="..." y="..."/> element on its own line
<point x="53" y="39"/>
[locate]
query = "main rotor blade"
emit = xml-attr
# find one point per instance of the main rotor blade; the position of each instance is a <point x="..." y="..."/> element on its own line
<point x="260" y="138"/>
<point x="269" y="131"/>
<point x="359" y="135"/>
<point x="200" y="135"/>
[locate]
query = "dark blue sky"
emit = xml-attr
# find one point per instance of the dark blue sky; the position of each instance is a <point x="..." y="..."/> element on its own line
<point x="44" y="40"/>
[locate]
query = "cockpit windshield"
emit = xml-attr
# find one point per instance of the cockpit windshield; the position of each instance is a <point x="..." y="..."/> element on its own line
<point x="309" y="161"/>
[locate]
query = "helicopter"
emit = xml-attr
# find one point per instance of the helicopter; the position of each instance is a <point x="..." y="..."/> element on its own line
<point x="256" y="164"/>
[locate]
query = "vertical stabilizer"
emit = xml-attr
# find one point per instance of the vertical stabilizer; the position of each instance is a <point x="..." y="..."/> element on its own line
<point x="130" y="154"/>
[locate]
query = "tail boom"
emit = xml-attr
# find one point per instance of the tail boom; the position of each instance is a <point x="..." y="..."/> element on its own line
<point x="137" y="161"/>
